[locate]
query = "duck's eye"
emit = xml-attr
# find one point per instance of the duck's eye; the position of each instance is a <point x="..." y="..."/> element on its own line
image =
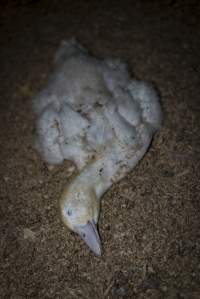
<point x="69" y="212"/>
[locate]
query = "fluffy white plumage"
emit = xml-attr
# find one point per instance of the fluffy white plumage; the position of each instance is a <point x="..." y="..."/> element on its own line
<point x="93" y="113"/>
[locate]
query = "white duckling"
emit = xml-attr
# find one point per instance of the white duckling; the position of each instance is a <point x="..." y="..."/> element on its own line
<point x="93" y="113"/>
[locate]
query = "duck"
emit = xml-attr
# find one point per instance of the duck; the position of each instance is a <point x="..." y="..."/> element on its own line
<point x="94" y="113"/>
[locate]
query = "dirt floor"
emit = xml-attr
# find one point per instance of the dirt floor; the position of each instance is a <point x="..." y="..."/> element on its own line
<point x="149" y="222"/>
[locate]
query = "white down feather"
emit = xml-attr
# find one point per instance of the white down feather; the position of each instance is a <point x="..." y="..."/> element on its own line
<point x="92" y="110"/>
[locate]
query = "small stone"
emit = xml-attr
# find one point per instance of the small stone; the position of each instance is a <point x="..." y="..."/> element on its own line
<point x="119" y="292"/>
<point x="150" y="269"/>
<point x="151" y="281"/>
<point x="46" y="196"/>
<point x="50" y="167"/>
<point x="70" y="170"/>
<point x="29" y="234"/>
<point x="193" y="274"/>
<point x="6" y="178"/>
<point x="164" y="288"/>
<point x="26" y="90"/>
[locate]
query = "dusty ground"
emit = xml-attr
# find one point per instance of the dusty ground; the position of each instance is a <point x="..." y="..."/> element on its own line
<point x="150" y="221"/>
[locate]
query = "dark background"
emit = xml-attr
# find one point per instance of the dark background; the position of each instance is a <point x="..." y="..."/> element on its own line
<point x="149" y="221"/>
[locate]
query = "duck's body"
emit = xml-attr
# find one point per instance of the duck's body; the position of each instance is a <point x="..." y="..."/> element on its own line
<point x="93" y="113"/>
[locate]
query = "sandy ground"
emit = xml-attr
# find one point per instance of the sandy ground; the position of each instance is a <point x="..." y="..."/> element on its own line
<point x="149" y="222"/>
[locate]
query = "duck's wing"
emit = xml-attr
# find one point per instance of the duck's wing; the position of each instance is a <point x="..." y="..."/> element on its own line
<point x="134" y="113"/>
<point x="147" y="98"/>
<point x="61" y="134"/>
<point x="74" y="145"/>
<point x="48" y="136"/>
<point x="75" y="76"/>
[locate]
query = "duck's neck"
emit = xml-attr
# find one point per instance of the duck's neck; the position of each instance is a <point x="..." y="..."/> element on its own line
<point x="104" y="171"/>
<point x="114" y="165"/>
<point x="97" y="175"/>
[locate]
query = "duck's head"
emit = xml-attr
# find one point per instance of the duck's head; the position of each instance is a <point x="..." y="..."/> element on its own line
<point x="80" y="211"/>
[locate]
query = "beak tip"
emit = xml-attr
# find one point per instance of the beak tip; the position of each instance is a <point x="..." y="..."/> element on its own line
<point x="97" y="252"/>
<point x="91" y="237"/>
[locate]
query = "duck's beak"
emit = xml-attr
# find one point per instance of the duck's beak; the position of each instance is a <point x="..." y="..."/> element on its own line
<point x="90" y="235"/>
